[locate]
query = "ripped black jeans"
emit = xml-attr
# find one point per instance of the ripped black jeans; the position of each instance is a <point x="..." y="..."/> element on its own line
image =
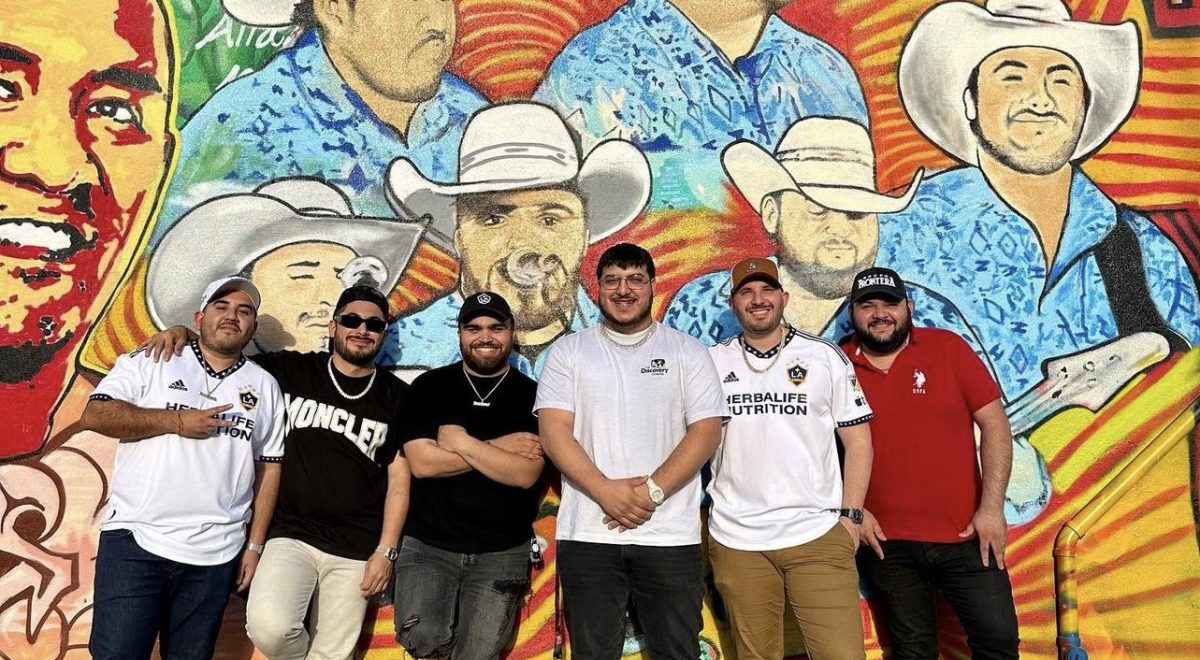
<point x="462" y="606"/>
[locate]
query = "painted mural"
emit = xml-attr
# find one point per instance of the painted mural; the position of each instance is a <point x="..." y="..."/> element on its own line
<point x="1032" y="168"/>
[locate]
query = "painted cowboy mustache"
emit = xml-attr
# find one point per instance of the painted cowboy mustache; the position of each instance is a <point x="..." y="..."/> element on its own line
<point x="528" y="268"/>
<point x="1034" y="115"/>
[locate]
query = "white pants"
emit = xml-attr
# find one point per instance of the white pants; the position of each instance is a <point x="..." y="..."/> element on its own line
<point x="289" y="576"/>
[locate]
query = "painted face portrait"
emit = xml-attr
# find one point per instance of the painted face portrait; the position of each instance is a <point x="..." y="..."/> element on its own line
<point x="1030" y="104"/>
<point x="84" y="146"/>
<point x="527" y="246"/>
<point x="820" y="248"/>
<point x="300" y="284"/>
<point x="398" y="48"/>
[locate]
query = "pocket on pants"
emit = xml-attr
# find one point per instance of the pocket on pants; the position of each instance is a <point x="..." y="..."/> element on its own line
<point x="847" y="539"/>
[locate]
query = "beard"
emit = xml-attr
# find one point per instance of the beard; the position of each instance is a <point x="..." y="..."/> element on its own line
<point x="1024" y="162"/>
<point x="485" y="366"/>
<point x="618" y="324"/>
<point x="359" y="357"/>
<point x="889" y="344"/>
<point x="820" y="280"/>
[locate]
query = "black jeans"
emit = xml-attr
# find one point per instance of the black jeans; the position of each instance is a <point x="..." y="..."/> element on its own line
<point x="905" y="583"/>
<point x="666" y="585"/>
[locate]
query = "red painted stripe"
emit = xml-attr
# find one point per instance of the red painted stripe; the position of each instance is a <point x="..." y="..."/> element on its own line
<point x="1186" y="141"/>
<point x="1185" y="188"/>
<point x="1146" y="160"/>
<point x="1170" y="62"/>
<point x="1114" y="12"/>
<point x="1156" y="112"/>
<point x="1183" y="89"/>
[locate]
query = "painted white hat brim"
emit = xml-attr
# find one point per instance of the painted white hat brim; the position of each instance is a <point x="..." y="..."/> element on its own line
<point x="614" y="180"/>
<point x="951" y="39"/>
<point x="261" y="13"/>
<point x="224" y="235"/>
<point x="756" y="174"/>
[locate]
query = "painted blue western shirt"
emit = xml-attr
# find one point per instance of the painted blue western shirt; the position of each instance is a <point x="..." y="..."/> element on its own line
<point x="298" y="117"/>
<point x="649" y="75"/>
<point x="429" y="338"/>
<point x="960" y="239"/>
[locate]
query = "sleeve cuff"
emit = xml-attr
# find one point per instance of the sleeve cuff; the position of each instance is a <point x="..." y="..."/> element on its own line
<point x="100" y="397"/>
<point x="269" y="459"/>
<point x="855" y="422"/>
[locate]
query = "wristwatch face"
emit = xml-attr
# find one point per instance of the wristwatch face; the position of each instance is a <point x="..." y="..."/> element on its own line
<point x="856" y="516"/>
<point x="390" y="553"/>
<point x="657" y="495"/>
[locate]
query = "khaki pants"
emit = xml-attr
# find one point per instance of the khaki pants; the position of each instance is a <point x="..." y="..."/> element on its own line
<point x="820" y="582"/>
<point x="290" y="576"/>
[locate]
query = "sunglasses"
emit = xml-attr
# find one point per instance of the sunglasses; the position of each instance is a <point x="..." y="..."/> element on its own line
<point x="352" y="321"/>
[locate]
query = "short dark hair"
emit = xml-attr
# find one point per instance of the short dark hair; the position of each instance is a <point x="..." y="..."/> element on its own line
<point x="625" y="255"/>
<point x="305" y="17"/>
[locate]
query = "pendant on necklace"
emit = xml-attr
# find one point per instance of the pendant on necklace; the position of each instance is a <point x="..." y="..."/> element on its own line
<point x="481" y="404"/>
<point x="208" y="395"/>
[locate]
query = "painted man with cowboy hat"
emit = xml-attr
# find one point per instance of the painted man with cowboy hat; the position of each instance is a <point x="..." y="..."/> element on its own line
<point x="300" y="243"/>
<point x="1038" y="259"/>
<point x="817" y="199"/>
<point x="526" y="206"/>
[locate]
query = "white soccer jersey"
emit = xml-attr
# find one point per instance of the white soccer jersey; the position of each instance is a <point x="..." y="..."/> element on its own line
<point x="184" y="499"/>
<point x="632" y="406"/>
<point x="776" y="473"/>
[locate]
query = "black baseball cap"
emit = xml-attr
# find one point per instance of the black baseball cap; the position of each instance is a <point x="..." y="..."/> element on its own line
<point x="878" y="282"/>
<point x="362" y="292"/>
<point x="485" y="303"/>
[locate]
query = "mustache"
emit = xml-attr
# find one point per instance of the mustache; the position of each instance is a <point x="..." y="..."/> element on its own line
<point x="1027" y="112"/>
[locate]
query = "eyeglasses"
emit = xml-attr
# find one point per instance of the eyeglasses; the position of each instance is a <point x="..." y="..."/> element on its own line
<point x="635" y="282"/>
<point x="352" y="321"/>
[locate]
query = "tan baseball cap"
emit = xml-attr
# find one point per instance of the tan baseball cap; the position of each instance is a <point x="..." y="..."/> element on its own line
<point x="754" y="268"/>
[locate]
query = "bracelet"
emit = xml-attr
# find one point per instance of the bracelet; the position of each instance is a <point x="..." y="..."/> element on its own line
<point x="256" y="548"/>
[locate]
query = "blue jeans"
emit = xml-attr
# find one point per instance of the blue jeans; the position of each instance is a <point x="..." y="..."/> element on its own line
<point x="905" y="583"/>
<point x="459" y="605"/>
<point x="665" y="584"/>
<point x="140" y="595"/>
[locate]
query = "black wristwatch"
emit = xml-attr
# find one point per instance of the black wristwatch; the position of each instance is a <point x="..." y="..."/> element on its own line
<point x="855" y="515"/>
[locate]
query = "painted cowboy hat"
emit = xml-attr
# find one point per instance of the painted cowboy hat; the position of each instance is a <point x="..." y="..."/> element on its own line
<point x="520" y="146"/>
<point x="950" y="40"/>
<point x="224" y="235"/>
<point x="261" y="13"/>
<point x="829" y="159"/>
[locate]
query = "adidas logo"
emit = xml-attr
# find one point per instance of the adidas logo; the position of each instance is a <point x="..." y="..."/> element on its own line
<point x="731" y="378"/>
<point x="178" y="385"/>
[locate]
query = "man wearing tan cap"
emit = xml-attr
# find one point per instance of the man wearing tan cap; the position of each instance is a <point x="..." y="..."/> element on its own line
<point x="816" y="196"/>
<point x="783" y="525"/>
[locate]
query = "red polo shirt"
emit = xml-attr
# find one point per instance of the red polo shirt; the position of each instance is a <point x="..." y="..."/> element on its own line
<point x="925" y="482"/>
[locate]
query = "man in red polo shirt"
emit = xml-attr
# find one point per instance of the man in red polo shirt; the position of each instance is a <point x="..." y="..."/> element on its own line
<point x="934" y="522"/>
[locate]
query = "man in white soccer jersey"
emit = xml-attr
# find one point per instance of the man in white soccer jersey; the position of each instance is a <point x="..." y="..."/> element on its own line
<point x="201" y="441"/>
<point x="629" y="411"/>
<point x="782" y="520"/>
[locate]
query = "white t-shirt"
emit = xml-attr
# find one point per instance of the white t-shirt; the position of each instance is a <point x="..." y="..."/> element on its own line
<point x="632" y="407"/>
<point x="776" y="473"/>
<point x="189" y="500"/>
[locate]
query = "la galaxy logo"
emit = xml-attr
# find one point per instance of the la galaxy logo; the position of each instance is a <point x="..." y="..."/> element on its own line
<point x="248" y="398"/>
<point x="918" y="381"/>
<point x="483" y="299"/>
<point x="797" y="373"/>
<point x="658" y="367"/>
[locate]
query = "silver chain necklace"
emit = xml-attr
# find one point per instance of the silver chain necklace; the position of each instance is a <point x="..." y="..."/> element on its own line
<point x="482" y="401"/>
<point x="208" y="392"/>
<point x="645" y="338"/>
<point x="338" y="387"/>
<point x="778" y="351"/>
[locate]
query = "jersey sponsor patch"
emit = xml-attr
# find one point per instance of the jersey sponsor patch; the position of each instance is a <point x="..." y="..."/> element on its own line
<point x="657" y="367"/>
<point x="797" y="373"/>
<point x="248" y="398"/>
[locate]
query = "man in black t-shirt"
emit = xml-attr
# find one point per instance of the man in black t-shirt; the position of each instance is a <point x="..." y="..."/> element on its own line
<point x="475" y="458"/>
<point x="344" y="488"/>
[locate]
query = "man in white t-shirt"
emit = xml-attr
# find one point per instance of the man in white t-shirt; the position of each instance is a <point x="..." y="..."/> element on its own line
<point x="782" y="522"/>
<point x="629" y="411"/>
<point x="201" y="439"/>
